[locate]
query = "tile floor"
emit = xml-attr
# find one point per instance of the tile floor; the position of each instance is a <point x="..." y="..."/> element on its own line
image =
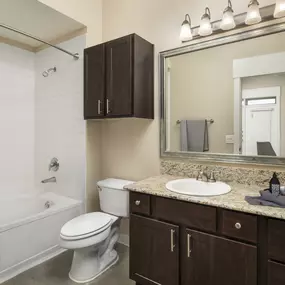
<point x="55" y="272"/>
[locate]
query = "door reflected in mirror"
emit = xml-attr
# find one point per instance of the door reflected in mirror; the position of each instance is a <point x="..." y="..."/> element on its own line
<point x="228" y="99"/>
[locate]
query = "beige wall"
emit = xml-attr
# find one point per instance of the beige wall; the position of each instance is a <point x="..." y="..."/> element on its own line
<point x="202" y="87"/>
<point x="89" y="13"/>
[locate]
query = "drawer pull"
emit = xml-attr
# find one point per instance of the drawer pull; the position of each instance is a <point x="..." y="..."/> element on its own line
<point x="189" y="250"/>
<point x="238" y="226"/>
<point x="172" y="245"/>
<point x="138" y="202"/>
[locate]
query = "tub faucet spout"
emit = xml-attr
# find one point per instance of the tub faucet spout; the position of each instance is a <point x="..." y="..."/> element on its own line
<point x="49" y="180"/>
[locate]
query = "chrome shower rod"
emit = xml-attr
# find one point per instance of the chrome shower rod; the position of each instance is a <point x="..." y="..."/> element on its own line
<point x="74" y="55"/>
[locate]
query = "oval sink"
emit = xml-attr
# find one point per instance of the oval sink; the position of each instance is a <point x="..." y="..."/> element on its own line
<point x="193" y="187"/>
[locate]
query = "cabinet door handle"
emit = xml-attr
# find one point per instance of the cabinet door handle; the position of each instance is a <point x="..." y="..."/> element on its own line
<point x="108" y="107"/>
<point x="99" y="107"/>
<point x="189" y="250"/>
<point x="137" y="202"/>
<point x="172" y="245"/>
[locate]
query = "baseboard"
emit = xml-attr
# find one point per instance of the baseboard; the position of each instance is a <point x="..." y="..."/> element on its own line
<point x="124" y="239"/>
<point x="30" y="263"/>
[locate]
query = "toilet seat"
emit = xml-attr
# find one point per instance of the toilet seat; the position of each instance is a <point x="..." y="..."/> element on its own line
<point x="85" y="226"/>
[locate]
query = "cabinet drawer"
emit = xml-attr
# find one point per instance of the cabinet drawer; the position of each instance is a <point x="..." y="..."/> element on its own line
<point x="184" y="213"/>
<point x="276" y="238"/>
<point x="239" y="225"/>
<point x="276" y="273"/>
<point x="140" y="203"/>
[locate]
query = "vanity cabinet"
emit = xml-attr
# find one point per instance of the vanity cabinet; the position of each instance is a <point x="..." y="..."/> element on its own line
<point x="211" y="260"/>
<point x="154" y="251"/>
<point x="119" y="79"/>
<point x="181" y="243"/>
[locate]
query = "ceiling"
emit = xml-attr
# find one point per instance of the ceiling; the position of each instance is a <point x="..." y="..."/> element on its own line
<point x="37" y="19"/>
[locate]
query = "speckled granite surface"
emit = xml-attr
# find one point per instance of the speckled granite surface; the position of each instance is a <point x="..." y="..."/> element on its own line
<point x="233" y="200"/>
<point x="247" y="176"/>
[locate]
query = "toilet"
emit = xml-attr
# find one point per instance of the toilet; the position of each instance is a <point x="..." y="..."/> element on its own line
<point x="93" y="236"/>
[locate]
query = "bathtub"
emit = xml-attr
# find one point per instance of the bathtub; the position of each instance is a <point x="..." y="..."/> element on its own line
<point x="29" y="230"/>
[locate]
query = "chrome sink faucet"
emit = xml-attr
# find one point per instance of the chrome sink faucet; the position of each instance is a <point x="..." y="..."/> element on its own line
<point x="203" y="176"/>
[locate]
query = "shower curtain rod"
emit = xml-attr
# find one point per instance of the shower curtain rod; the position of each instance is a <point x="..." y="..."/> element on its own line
<point x="74" y="55"/>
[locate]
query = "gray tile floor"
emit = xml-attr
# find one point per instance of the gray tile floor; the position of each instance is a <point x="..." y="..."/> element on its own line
<point x="55" y="271"/>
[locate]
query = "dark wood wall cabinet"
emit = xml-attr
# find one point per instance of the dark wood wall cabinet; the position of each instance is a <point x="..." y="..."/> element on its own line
<point x="119" y="79"/>
<point x="179" y="243"/>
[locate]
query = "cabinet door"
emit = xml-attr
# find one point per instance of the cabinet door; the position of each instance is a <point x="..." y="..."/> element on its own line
<point x="94" y="82"/>
<point x="276" y="273"/>
<point x="119" y="77"/>
<point x="211" y="260"/>
<point x="154" y="252"/>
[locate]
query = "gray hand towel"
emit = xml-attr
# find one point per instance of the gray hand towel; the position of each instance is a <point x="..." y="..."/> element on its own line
<point x="267" y="199"/>
<point x="194" y="135"/>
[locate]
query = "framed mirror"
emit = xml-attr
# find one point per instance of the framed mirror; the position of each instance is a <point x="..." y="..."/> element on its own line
<point x="223" y="98"/>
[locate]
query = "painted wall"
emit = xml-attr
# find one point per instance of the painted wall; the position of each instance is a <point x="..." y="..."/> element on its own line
<point x="202" y="87"/>
<point x="16" y="120"/>
<point x="59" y="125"/>
<point x="89" y="13"/>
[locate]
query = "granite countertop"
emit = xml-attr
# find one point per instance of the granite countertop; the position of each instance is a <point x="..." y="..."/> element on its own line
<point x="233" y="200"/>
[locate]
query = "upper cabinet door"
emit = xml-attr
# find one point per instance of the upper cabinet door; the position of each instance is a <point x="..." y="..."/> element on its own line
<point x="154" y="252"/>
<point x="211" y="260"/>
<point x="119" y="77"/>
<point x="94" y="85"/>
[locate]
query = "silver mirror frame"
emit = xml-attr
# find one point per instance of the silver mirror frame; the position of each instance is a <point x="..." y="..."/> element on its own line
<point x="271" y="26"/>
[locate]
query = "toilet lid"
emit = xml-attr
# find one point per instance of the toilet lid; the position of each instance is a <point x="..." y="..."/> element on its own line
<point x="86" y="224"/>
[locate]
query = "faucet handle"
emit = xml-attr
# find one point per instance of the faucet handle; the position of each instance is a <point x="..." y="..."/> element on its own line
<point x="212" y="178"/>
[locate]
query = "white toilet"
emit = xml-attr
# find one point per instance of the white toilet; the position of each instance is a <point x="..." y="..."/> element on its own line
<point x="93" y="236"/>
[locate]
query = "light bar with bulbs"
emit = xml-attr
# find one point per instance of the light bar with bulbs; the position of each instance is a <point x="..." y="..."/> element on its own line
<point x="229" y="21"/>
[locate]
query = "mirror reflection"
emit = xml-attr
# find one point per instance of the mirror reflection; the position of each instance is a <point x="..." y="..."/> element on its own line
<point x="228" y="99"/>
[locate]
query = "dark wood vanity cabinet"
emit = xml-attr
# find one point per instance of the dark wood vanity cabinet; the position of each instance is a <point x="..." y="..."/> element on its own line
<point x="174" y="242"/>
<point x="119" y="79"/>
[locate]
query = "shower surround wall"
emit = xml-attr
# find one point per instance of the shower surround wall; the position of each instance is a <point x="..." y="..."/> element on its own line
<point x="59" y="124"/>
<point x="41" y="118"/>
<point x="17" y="105"/>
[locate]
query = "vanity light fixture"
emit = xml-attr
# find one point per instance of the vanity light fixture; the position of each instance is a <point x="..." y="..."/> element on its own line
<point x="279" y="9"/>
<point x="186" y="32"/>
<point x="206" y="26"/>
<point x="228" y="21"/>
<point x="253" y="13"/>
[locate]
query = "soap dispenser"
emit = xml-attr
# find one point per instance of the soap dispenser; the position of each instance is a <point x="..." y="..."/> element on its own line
<point x="274" y="185"/>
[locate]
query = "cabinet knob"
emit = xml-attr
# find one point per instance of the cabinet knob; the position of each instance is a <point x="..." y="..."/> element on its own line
<point x="238" y="226"/>
<point x="138" y="202"/>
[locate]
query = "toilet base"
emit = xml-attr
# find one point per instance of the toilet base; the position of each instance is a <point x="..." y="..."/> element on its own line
<point x="97" y="275"/>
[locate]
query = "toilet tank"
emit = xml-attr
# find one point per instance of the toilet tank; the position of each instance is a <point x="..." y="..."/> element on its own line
<point x="114" y="199"/>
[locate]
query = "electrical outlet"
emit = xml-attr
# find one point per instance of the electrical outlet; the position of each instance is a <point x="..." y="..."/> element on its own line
<point x="230" y="139"/>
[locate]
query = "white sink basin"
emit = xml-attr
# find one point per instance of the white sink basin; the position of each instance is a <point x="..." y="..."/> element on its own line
<point x="193" y="187"/>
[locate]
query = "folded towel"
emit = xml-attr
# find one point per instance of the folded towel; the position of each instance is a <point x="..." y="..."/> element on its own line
<point x="194" y="135"/>
<point x="267" y="199"/>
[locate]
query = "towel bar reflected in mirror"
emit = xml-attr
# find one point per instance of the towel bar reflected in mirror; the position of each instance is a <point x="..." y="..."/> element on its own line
<point x="208" y="121"/>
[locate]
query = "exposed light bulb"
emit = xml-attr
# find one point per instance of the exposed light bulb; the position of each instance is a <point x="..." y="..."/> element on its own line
<point x="186" y="33"/>
<point x="253" y="14"/>
<point x="279" y="9"/>
<point x="206" y="26"/>
<point x="228" y="21"/>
